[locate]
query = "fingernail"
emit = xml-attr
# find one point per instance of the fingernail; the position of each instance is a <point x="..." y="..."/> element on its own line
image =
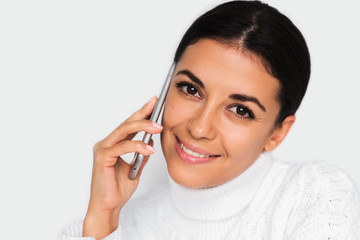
<point x="151" y="99"/>
<point x="158" y="126"/>
<point x="150" y="148"/>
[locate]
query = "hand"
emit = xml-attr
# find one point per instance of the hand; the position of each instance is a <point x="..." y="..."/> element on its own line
<point x="111" y="187"/>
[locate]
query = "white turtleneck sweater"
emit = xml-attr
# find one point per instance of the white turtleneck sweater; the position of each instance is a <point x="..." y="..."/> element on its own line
<point x="271" y="200"/>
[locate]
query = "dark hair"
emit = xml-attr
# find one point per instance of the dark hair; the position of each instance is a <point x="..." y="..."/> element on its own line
<point x="262" y="30"/>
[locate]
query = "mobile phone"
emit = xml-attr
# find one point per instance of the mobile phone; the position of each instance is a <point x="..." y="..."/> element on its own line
<point x="138" y="158"/>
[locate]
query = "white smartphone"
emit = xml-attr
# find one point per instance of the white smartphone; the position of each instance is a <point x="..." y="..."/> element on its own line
<point x="138" y="158"/>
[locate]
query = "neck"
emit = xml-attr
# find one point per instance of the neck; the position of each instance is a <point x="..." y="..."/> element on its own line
<point x="225" y="200"/>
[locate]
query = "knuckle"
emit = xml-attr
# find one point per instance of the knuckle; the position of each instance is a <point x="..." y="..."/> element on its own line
<point x="96" y="146"/>
<point x="131" y="145"/>
<point x="125" y="145"/>
<point x="100" y="144"/>
<point x="134" y="126"/>
<point x="99" y="155"/>
<point x="125" y="126"/>
<point x="139" y="144"/>
<point x="124" y="129"/>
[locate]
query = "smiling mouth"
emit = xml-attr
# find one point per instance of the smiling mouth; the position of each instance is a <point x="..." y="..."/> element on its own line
<point x="193" y="155"/>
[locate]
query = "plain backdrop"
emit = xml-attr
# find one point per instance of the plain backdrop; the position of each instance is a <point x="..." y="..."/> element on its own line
<point x="73" y="70"/>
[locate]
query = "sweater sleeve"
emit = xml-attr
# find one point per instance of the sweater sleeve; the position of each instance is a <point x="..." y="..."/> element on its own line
<point x="74" y="232"/>
<point x="136" y="222"/>
<point x="331" y="207"/>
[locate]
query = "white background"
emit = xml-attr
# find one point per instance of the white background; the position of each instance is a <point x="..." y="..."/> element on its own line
<point x="71" y="71"/>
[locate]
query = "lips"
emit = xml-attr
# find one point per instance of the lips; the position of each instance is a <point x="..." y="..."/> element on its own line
<point x="192" y="154"/>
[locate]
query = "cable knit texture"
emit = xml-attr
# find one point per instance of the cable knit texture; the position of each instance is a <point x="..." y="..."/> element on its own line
<point x="271" y="200"/>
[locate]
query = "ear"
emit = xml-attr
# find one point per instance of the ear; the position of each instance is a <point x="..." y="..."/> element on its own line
<point x="279" y="133"/>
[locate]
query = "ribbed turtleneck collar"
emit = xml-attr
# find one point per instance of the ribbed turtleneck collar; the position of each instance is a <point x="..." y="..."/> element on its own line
<point x="222" y="201"/>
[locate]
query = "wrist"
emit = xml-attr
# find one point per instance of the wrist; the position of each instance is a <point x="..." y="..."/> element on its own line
<point x="99" y="224"/>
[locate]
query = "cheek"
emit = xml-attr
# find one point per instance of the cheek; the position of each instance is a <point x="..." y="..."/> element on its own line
<point x="170" y="114"/>
<point x="242" y="141"/>
<point x="176" y="111"/>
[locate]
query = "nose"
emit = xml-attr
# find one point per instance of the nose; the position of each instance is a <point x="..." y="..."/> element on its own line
<point x="201" y="125"/>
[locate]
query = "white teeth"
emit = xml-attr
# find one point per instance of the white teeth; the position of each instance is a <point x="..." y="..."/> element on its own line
<point x="191" y="153"/>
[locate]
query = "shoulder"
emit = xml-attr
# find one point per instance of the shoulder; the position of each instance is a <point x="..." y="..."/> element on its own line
<point x="328" y="184"/>
<point x="322" y="198"/>
<point x="326" y="177"/>
<point x="313" y="173"/>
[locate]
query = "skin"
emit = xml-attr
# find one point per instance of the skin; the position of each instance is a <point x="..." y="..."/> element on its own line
<point x="205" y="118"/>
<point x="111" y="187"/>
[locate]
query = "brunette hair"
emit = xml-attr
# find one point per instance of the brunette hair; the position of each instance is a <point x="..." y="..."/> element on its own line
<point x="262" y="30"/>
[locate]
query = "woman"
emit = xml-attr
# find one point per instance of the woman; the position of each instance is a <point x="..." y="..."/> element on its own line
<point x="241" y="72"/>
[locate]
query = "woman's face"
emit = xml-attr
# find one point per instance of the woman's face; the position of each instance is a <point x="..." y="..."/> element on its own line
<point x="219" y="114"/>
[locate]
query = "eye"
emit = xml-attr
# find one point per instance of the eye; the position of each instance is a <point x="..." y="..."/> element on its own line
<point x="188" y="89"/>
<point x="242" y="111"/>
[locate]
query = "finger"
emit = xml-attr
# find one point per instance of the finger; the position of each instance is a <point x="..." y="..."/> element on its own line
<point x="144" y="161"/>
<point x="128" y="130"/>
<point x="124" y="167"/>
<point x="145" y="111"/>
<point x="109" y="156"/>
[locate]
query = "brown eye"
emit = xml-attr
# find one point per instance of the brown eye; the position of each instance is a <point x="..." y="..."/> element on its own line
<point x="188" y="89"/>
<point x="241" y="111"/>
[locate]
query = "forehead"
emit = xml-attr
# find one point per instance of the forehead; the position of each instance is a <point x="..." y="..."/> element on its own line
<point x="229" y="69"/>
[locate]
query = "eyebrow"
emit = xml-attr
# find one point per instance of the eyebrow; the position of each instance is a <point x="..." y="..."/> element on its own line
<point x="245" y="98"/>
<point x="192" y="77"/>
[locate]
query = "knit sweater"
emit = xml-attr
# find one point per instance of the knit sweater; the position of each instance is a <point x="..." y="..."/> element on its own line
<point x="271" y="200"/>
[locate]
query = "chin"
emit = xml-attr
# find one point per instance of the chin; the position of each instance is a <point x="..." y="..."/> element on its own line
<point x="195" y="177"/>
<point x="187" y="180"/>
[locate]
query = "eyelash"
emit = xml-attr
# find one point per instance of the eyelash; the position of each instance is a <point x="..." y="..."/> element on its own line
<point x="245" y="110"/>
<point x="181" y="86"/>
